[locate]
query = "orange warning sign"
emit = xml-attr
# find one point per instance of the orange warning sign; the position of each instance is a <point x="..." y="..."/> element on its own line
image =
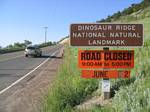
<point x="105" y="74"/>
<point x="106" y="59"/>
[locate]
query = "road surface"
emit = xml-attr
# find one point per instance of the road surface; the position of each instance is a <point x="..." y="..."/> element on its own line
<point x="15" y="67"/>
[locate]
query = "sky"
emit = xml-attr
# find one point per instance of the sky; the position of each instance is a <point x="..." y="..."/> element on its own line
<point x="24" y="19"/>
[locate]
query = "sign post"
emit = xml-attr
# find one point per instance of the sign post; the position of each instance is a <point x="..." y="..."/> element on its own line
<point x="106" y="88"/>
<point x="106" y="36"/>
<point x="106" y="83"/>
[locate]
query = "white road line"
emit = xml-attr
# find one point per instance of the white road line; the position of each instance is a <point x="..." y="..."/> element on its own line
<point x="11" y="58"/>
<point x="2" y="91"/>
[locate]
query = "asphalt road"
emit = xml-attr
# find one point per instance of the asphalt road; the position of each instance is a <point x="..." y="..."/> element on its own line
<point x="13" y="66"/>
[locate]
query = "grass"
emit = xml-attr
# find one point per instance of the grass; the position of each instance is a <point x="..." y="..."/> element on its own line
<point x="134" y="97"/>
<point x="69" y="89"/>
<point x="135" y="16"/>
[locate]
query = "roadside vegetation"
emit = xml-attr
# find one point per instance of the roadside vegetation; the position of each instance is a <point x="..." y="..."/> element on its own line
<point x="128" y="95"/>
<point x="69" y="88"/>
<point x="15" y="47"/>
<point x="133" y="95"/>
<point x="134" y="12"/>
<point x="21" y="46"/>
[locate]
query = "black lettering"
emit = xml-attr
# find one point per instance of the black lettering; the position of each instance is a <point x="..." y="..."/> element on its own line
<point x="88" y="56"/>
<point x="129" y="55"/>
<point x="99" y="74"/>
<point x="114" y="56"/>
<point x="83" y="64"/>
<point x="83" y="56"/>
<point x="121" y="64"/>
<point x="98" y="55"/>
<point x="117" y="56"/>
<point x="106" y="56"/>
<point x="125" y="57"/>
<point x="120" y="56"/>
<point x="93" y="56"/>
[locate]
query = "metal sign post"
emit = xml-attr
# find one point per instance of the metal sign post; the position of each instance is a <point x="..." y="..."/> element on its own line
<point x="106" y="83"/>
<point x="106" y="88"/>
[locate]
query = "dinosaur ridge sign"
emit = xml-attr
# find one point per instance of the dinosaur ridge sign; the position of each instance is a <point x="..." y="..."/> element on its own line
<point x="106" y="35"/>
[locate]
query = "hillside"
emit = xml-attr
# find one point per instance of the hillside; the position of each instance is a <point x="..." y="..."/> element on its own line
<point x="133" y="95"/>
<point x="128" y="95"/>
<point x="134" y="12"/>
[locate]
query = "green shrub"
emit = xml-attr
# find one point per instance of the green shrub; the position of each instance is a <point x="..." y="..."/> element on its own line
<point x="69" y="89"/>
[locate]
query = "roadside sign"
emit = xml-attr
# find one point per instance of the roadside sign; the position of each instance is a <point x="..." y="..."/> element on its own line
<point x="105" y="74"/>
<point x="106" y="59"/>
<point x="106" y="85"/>
<point x="106" y="35"/>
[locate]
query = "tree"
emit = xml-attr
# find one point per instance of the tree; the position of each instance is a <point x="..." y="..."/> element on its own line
<point x="27" y="42"/>
<point x="145" y="4"/>
<point x="102" y="20"/>
<point x="108" y="18"/>
<point x="18" y="45"/>
<point x="147" y="1"/>
<point x="10" y="46"/>
<point x="54" y="43"/>
<point x="116" y="16"/>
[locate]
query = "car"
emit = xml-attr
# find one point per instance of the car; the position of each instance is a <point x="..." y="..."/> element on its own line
<point x="33" y="50"/>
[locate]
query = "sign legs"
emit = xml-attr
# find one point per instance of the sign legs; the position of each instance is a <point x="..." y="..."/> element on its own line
<point x="106" y="83"/>
<point x="106" y="88"/>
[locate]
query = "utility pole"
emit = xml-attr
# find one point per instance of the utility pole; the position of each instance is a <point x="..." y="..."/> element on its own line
<point x="45" y="33"/>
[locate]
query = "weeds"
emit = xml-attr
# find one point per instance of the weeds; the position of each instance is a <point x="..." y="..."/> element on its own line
<point x="69" y="89"/>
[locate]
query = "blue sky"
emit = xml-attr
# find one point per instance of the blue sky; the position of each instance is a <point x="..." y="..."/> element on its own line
<point x="23" y="19"/>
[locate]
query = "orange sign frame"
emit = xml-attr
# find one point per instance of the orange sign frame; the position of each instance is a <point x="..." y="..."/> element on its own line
<point x="106" y="59"/>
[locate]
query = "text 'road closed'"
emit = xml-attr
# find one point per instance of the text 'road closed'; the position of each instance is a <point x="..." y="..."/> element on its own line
<point x="106" y="59"/>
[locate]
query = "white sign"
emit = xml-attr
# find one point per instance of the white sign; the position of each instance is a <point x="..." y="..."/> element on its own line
<point x="106" y="85"/>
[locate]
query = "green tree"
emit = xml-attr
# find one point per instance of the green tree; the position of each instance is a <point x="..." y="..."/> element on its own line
<point x="108" y="19"/>
<point x="27" y="42"/>
<point x="18" y="45"/>
<point x="10" y="46"/>
<point x="116" y="16"/>
<point x="145" y="4"/>
<point x="54" y="43"/>
<point x="102" y="20"/>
